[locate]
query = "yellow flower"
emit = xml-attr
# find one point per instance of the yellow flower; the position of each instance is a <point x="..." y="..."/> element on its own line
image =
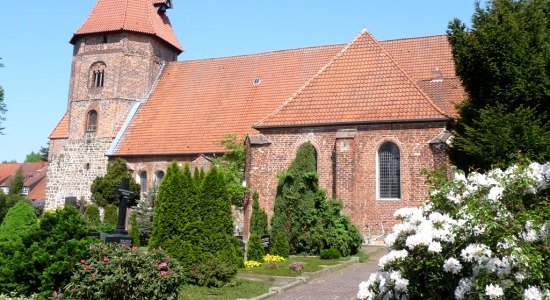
<point x="252" y="264"/>
<point x="273" y="258"/>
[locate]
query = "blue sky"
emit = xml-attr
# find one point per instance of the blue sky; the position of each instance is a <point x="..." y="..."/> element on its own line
<point x="36" y="54"/>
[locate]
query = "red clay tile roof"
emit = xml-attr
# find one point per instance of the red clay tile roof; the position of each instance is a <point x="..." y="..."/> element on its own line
<point x="196" y="103"/>
<point x="61" y="131"/>
<point x="129" y="15"/>
<point x="34" y="175"/>
<point x="362" y="83"/>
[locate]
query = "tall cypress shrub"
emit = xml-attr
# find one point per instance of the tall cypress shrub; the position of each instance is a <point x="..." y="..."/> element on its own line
<point x="258" y="220"/>
<point x="302" y="214"/>
<point x="134" y="231"/>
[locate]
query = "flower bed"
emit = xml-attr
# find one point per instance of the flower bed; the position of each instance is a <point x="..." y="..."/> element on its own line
<point x="480" y="236"/>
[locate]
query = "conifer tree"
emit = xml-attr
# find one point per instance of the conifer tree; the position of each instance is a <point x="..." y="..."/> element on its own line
<point x="258" y="220"/>
<point x="134" y="232"/>
<point x="303" y="216"/>
<point x="16" y="183"/>
<point x="92" y="215"/>
<point x="255" y="248"/>
<point x="504" y="66"/>
<point x="110" y="215"/>
<point x="18" y="221"/>
<point x="103" y="187"/>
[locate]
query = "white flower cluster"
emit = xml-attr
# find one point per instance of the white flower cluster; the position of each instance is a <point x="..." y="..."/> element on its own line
<point x="460" y="237"/>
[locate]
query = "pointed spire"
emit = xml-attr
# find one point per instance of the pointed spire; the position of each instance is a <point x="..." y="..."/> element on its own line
<point x="129" y="15"/>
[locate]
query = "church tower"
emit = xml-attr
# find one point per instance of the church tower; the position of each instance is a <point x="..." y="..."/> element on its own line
<point x="119" y="52"/>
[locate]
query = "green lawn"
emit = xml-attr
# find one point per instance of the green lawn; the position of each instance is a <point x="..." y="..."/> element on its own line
<point x="243" y="290"/>
<point x="311" y="264"/>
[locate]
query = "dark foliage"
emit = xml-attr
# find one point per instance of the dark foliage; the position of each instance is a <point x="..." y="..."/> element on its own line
<point x="504" y="64"/>
<point x="303" y="214"/>
<point x="116" y="272"/>
<point x="255" y="248"/>
<point x="134" y="231"/>
<point x="110" y="215"/>
<point x="258" y="220"/>
<point x="16" y="183"/>
<point x="19" y="220"/>
<point x="331" y="253"/>
<point x="103" y="187"/>
<point x="43" y="259"/>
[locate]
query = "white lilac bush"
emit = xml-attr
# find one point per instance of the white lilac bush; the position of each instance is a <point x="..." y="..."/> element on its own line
<point x="481" y="236"/>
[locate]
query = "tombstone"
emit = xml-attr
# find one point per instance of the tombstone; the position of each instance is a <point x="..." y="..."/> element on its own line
<point x="120" y="235"/>
<point x="266" y="242"/>
<point x="71" y="200"/>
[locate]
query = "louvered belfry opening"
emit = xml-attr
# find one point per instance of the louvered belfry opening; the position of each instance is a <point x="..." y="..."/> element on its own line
<point x="389" y="171"/>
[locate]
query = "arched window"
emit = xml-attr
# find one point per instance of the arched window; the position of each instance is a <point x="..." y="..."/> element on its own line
<point x="158" y="177"/>
<point x="91" y="121"/>
<point x="143" y="181"/>
<point x="97" y="75"/>
<point x="389" y="171"/>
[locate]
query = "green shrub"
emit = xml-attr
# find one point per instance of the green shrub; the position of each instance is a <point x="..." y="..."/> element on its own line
<point x="134" y="232"/>
<point x="258" y="220"/>
<point x="110" y="215"/>
<point x="105" y="227"/>
<point x="18" y="222"/>
<point x="92" y="215"/>
<point x="215" y="272"/>
<point x="113" y="271"/>
<point x="331" y="253"/>
<point x="103" y="187"/>
<point x="303" y="214"/>
<point x="43" y="260"/>
<point x="194" y="224"/>
<point x="255" y="248"/>
<point x="7" y="202"/>
<point x="280" y="245"/>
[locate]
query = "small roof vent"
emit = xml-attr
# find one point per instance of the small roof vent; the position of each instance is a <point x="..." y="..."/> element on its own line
<point x="257" y="81"/>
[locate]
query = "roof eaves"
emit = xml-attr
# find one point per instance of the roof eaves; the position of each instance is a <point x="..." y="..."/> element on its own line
<point x="346" y="123"/>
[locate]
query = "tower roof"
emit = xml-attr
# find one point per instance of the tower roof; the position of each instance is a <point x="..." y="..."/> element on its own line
<point x="129" y="15"/>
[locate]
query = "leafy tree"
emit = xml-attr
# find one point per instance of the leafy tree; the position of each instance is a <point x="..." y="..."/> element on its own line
<point x="231" y="166"/>
<point x="16" y="183"/>
<point x="3" y="108"/>
<point x="504" y="64"/>
<point x="33" y="157"/>
<point x="19" y="220"/>
<point x="103" y="187"/>
<point x="258" y="220"/>
<point x="44" y="151"/>
<point x="303" y="215"/>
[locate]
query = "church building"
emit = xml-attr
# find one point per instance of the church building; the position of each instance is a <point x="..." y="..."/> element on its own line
<point x="377" y="112"/>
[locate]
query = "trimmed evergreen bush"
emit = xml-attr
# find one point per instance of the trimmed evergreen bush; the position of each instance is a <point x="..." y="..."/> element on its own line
<point x="194" y="225"/>
<point x="255" y="248"/>
<point x="43" y="260"/>
<point x="280" y="245"/>
<point x="110" y="215"/>
<point x="331" y="253"/>
<point x="258" y="220"/>
<point x="103" y="187"/>
<point x="134" y="232"/>
<point x="19" y="220"/>
<point x="92" y="215"/>
<point x="304" y="215"/>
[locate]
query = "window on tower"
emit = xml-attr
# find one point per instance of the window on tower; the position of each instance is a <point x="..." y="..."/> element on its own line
<point x="97" y="75"/>
<point x="91" y="122"/>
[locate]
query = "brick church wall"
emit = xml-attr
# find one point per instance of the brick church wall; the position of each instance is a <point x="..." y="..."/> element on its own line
<point x="347" y="165"/>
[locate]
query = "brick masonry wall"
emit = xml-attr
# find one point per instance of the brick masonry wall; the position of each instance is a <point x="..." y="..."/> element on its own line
<point x="347" y="167"/>
<point x="131" y="63"/>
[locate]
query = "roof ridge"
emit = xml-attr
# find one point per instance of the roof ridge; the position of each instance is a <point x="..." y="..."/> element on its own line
<point x="414" y="38"/>
<point x="258" y="53"/>
<point x="426" y="97"/>
<point x="311" y="79"/>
